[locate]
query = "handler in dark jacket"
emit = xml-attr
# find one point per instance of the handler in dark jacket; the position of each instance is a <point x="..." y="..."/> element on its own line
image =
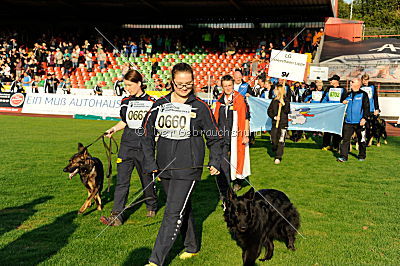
<point x="180" y="120"/>
<point x="278" y="111"/>
<point x="132" y="112"/>
<point x="333" y="94"/>
<point x="357" y="113"/>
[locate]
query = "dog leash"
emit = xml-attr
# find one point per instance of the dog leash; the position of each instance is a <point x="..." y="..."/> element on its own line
<point x="109" y="153"/>
<point x="101" y="136"/>
<point x="137" y="202"/>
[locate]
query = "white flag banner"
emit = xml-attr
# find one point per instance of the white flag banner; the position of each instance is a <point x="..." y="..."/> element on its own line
<point x="286" y="65"/>
<point x="318" y="73"/>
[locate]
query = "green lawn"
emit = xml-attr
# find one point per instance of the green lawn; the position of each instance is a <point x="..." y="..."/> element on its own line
<point x="350" y="212"/>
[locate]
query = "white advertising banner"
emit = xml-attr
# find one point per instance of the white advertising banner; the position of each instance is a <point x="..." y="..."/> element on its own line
<point x="67" y="104"/>
<point x="320" y="73"/>
<point x="286" y="65"/>
<point x="389" y="106"/>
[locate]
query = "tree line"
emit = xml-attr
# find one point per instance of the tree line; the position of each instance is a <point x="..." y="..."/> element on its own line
<point x="380" y="16"/>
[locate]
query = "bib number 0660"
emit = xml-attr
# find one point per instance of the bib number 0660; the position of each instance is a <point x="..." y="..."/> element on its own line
<point x="136" y="115"/>
<point x="172" y="121"/>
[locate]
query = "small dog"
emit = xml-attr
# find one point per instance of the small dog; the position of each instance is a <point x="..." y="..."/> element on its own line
<point x="377" y="131"/>
<point x="91" y="172"/>
<point x="255" y="224"/>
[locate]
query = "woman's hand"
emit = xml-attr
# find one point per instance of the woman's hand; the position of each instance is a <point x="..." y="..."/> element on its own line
<point x="245" y="140"/>
<point x="110" y="132"/>
<point x="345" y="102"/>
<point x="213" y="170"/>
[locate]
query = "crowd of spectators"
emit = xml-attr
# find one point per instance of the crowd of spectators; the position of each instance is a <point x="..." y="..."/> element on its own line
<point x="24" y="62"/>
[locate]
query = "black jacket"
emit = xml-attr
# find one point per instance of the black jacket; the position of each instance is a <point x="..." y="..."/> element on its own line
<point x="186" y="153"/>
<point x="132" y="137"/>
<point x="68" y="64"/>
<point x="15" y="86"/>
<point x="225" y="119"/>
<point x="285" y="110"/>
<point x="296" y="97"/>
<point x="50" y="85"/>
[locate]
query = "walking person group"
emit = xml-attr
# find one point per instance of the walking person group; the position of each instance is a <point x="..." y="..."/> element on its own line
<point x="165" y="139"/>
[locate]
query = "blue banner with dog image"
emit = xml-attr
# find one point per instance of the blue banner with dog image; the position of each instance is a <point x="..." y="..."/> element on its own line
<point x="321" y="117"/>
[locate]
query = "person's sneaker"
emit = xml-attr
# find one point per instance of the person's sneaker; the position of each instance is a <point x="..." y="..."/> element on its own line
<point x="151" y="264"/>
<point x="186" y="255"/>
<point x="361" y="159"/>
<point x="327" y="148"/>
<point x="113" y="220"/>
<point x="277" y="161"/>
<point x="151" y="214"/>
<point x="341" y="160"/>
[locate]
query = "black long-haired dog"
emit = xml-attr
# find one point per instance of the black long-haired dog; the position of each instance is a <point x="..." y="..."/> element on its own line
<point x="255" y="224"/>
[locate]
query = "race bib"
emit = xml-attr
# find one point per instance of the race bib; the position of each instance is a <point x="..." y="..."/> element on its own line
<point x="368" y="90"/>
<point x="335" y="94"/>
<point x="173" y="121"/>
<point x="135" y="113"/>
<point x="317" y="96"/>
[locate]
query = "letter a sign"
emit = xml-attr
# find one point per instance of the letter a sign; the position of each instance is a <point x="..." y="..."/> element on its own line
<point x="286" y="65"/>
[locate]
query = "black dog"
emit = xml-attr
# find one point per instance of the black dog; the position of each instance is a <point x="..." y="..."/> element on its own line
<point x="377" y="131"/>
<point x="91" y="172"/>
<point x="255" y="224"/>
<point x="296" y="135"/>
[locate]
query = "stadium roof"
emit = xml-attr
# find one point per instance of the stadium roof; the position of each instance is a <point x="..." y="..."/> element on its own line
<point x="170" y="11"/>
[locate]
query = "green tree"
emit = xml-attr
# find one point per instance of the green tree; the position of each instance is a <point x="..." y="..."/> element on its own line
<point x="377" y="14"/>
<point x="343" y="9"/>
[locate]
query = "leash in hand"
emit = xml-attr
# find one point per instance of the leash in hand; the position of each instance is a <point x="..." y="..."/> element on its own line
<point x="109" y="153"/>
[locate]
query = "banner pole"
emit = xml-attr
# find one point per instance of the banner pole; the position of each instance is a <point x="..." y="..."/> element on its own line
<point x="280" y="107"/>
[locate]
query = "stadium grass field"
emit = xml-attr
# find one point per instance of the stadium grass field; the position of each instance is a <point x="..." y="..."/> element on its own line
<point x="350" y="212"/>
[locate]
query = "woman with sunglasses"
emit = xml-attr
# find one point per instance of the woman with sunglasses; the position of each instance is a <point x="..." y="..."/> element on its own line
<point x="180" y="120"/>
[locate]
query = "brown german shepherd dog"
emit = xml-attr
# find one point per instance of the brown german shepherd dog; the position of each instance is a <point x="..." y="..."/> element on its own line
<point x="91" y="172"/>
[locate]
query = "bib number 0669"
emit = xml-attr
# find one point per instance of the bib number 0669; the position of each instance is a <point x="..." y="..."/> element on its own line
<point x="136" y="115"/>
<point x="172" y="121"/>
